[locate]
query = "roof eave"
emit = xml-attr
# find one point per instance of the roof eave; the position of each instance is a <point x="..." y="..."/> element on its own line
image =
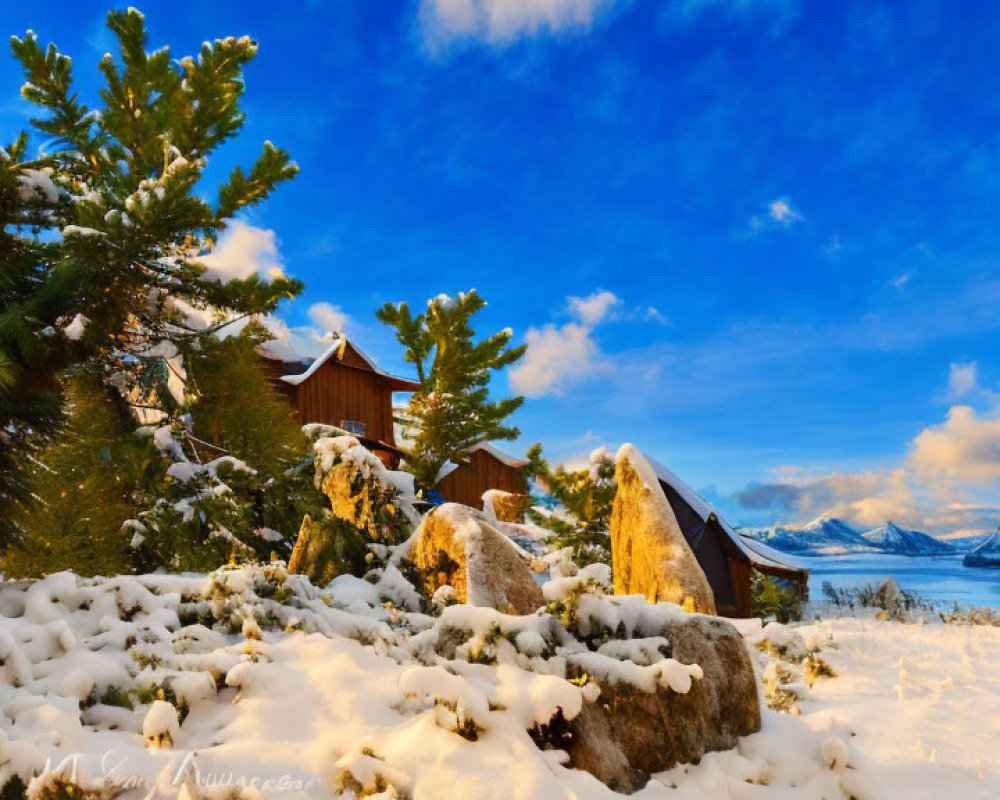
<point x="398" y="384"/>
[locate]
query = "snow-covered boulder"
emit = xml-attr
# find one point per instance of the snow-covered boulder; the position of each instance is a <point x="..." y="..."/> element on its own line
<point x="367" y="503"/>
<point x="890" y="597"/>
<point x="650" y="555"/>
<point x="631" y="733"/>
<point x="456" y="546"/>
<point x="659" y="686"/>
<point x="361" y="491"/>
<point x="505" y="506"/>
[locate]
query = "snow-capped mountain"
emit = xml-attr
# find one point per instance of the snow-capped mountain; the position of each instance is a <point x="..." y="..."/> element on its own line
<point x="963" y="544"/>
<point x="986" y="555"/>
<point x="823" y="536"/>
<point x="829" y="536"/>
<point x="904" y="542"/>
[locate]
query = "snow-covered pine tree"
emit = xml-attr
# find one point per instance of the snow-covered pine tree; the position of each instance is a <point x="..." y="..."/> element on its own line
<point x="136" y="227"/>
<point x="123" y="291"/>
<point x="234" y="496"/>
<point x="239" y="411"/>
<point x="579" y="504"/>
<point x="28" y="400"/>
<point x="452" y="411"/>
<point x="202" y="516"/>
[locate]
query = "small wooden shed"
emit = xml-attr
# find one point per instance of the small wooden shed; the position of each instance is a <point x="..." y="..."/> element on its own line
<point x="485" y="468"/>
<point x="344" y="387"/>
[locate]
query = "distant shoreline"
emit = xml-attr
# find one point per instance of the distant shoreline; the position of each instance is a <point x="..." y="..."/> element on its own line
<point x="941" y="579"/>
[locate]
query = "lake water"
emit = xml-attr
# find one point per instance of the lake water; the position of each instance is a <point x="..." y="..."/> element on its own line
<point x="941" y="579"/>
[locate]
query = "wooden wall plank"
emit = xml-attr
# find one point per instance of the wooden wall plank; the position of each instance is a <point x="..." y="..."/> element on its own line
<point x="483" y="471"/>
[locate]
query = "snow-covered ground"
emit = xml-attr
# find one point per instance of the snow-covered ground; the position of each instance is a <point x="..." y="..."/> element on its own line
<point x="306" y="693"/>
<point x="922" y="699"/>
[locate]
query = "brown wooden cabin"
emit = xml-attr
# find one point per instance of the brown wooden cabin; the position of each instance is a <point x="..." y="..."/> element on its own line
<point x="727" y="558"/>
<point x="345" y="388"/>
<point x="486" y="468"/>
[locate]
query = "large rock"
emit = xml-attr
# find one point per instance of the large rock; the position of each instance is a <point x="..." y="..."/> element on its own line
<point x="455" y="545"/>
<point x="505" y="506"/>
<point x="362" y="497"/>
<point x="649" y="552"/>
<point x="316" y="553"/>
<point x="368" y="503"/>
<point x="628" y="734"/>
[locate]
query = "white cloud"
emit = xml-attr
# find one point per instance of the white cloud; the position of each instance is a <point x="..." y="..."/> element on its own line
<point x="593" y="309"/>
<point x="290" y="344"/>
<point x="556" y="358"/>
<point x="962" y="380"/>
<point x="560" y="356"/>
<point x="653" y="314"/>
<point x="781" y="211"/>
<point x="963" y="450"/>
<point x="780" y="214"/>
<point x="501" y="21"/>
<point x="864" y="499"/>
<point x="947" y="482"/>
<point x="329" y="318"/>
<point x="242" y="252"/>
<point x="902" y="280"/>
<point x="867" y="499"/>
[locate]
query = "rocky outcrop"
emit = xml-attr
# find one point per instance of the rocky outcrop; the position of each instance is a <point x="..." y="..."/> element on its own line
<point x="649" y="552"/>
<point x="456" y="546"/>
<point x="505" y="506"/>
<point x="316" y="553"/>
<point x="629" y="734"/>
<point x="367" y="503"/>
<point x="360" y="495"/>
<point x="890" y="597"/>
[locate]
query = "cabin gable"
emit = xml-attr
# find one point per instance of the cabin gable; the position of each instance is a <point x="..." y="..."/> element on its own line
<point x="348" y="397"/>
<point x="344" y="388"/>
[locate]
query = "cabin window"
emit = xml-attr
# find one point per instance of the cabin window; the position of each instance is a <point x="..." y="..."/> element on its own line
<point x="353" y="427"/>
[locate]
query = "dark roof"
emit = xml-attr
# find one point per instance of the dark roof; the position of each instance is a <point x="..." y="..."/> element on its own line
<point x="337" y="352"/>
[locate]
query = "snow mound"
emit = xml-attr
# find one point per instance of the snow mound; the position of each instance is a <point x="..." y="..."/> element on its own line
<point x="160" y="685"/>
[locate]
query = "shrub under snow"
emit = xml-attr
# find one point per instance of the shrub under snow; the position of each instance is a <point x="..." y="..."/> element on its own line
<point x="352" y="689"/>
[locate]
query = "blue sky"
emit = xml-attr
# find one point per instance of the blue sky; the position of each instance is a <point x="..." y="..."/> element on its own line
<point x="778" y="220"/>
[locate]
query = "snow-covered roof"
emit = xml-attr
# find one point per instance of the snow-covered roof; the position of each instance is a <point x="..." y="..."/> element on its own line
<point x="333" y="351"/>
<point x="499" y="455"/>
<point x="764" y="556"/>
<point x="641" y="462"/>
<point x="449" y="467"/>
